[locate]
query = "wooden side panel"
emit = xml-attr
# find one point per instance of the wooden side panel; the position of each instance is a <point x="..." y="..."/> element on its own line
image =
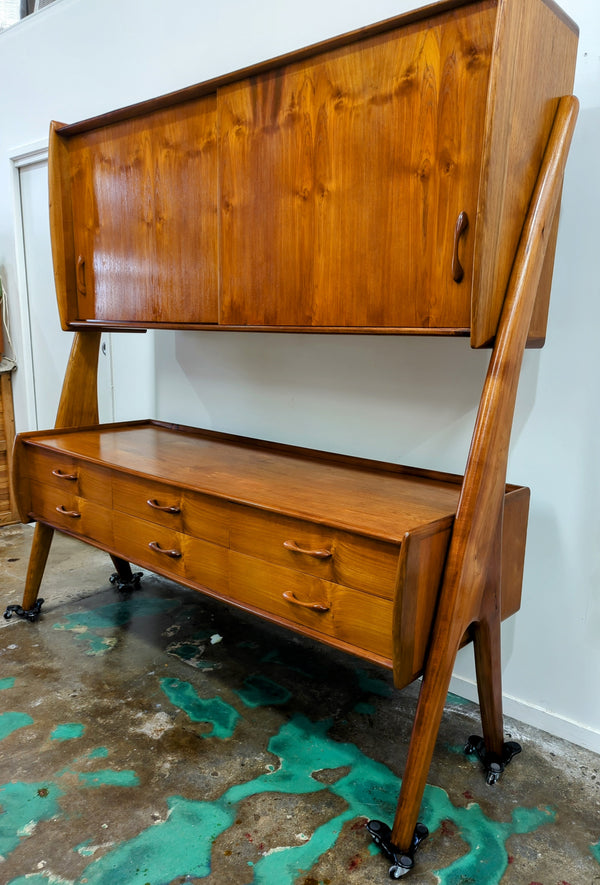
<point x="534" y="63"/>
<point x="61" y="227"/>
<point x="422" y="558"/>
<point x="144" y="195"/>
<point x="342" y="179"/>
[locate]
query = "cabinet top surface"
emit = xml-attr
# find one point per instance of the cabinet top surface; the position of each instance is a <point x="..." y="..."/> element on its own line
<point x="373" y="500"/>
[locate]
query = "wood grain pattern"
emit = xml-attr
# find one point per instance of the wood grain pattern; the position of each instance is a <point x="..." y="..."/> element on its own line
<point x="144" y="197"/>
<point x="351" y="172"/>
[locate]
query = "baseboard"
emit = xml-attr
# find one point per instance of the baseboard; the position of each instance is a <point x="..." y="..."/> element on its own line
<point x="558" y="726"/>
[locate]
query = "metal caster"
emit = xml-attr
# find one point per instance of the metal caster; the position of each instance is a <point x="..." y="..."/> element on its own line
<point x="126" y="585"/>
<point x="402" y="861"/>
<point x="29" y="614"/>
<point x="493" y="763"/>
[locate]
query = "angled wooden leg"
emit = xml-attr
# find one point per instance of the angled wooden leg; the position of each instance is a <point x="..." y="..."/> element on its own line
<point x="486" y="639"/>
<point x="40" y="548"/>
<point x="42" y="539"/>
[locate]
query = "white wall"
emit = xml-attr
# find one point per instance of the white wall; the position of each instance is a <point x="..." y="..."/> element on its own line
<point x="400" y="399"/>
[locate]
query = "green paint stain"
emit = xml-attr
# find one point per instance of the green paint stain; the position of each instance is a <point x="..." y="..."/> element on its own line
<point x="364" y="709"/>
<point x="11" y="721"/>
<point x="595" y="849"/>
<point x="181" y="845"/>
<point x="67" y="732"/>
<point x="84" y="850"/>
<point x="456" y="699"/>
<point x="222" y="716"/>
<point x="372" y="685"/>
<point x="23" y="807"/>
<point x="98" y="753"/>
<point x="258" y="691"/>
<point x="109" y="778"/>
<point x="190" y="652"/>
<point x="7" y="683"/>
<point x="86" y="625"/>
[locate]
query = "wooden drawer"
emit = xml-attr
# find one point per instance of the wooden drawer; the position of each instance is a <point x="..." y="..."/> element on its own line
<point x="172" y="507"/>
<point x="68" y="474"/>
<point x="71" y="513"/>
<point x="346" y="616"/>
<point x="337" y="556"/>
<point x="171" y="553"/>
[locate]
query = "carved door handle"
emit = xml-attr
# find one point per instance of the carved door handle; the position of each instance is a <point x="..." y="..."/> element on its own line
<point x="313" y="606"/>
<point x="164" y="508"/>
<point x="325" y="553"/>
<point x="74" y="514"/>
<point x="462" y="223"/>
<point x="81" y="287"/>
<point x="174" y="554"/>
<point x="58" y="472"/>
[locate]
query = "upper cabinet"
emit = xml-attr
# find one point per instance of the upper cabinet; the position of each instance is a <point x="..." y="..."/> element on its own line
<point x="377" y="182"/>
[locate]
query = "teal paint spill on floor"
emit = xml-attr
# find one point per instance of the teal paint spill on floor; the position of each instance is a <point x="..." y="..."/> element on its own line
<point x="259" y="691"/>
<point x="88" y="627"/>
<point x="7" y="683"/>
<point x="12" y="721"/>
<point x="373" y="685"/>
<point x="456" y="699"/>
<point x="369" y="789"/>
<point x="191" y="652"/>
<point x="68" y="731"/>
<point x="23" y="807"/>
<point x="595" y="849"/>
<point x="364" y="709"/>
<point x="109" y="778"/>
<point x="181" y="845"/>
<point x="222" y="716"/>
<point x="98" y="753"/>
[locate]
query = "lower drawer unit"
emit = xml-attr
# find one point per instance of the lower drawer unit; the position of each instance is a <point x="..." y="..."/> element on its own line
<point x="351" y="619"/>
<point x="71" y="513"/>
<point x="171" y="553"/>
<point x="172" y="506"/>
<point x="331" y="554"/>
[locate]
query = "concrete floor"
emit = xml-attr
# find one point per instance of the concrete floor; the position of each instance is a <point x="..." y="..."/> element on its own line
<point x="159" y="738"/>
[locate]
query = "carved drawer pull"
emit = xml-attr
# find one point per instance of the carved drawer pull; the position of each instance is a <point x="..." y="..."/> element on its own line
<point x="313" y="606"/>
<point x="152" y="502"/>
<point x="462" y="223"/>
<point x="318" y="554"/>
<point x="58" y="472"/>
<point x="81" y="287"/>
<point x="74" y="514"/>
<point x="174" y="554"/>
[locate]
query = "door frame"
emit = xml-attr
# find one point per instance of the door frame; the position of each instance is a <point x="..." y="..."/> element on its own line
<point x="20" y="158"/>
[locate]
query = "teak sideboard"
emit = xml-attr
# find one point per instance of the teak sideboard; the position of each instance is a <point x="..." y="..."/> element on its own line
<point x="401" y="179"/>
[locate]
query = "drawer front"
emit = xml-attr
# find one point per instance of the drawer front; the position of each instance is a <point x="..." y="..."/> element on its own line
<point x="72" y="513"/>
<point x="192" y="513"/>
<point x="69" y="475"/>
<point x="171" y="553"/>
<point x="336" y="556"/>
<point x="358" y="619"/>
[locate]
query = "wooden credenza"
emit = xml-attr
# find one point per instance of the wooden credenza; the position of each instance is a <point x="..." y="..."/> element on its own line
<point x="402" y="179"/>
